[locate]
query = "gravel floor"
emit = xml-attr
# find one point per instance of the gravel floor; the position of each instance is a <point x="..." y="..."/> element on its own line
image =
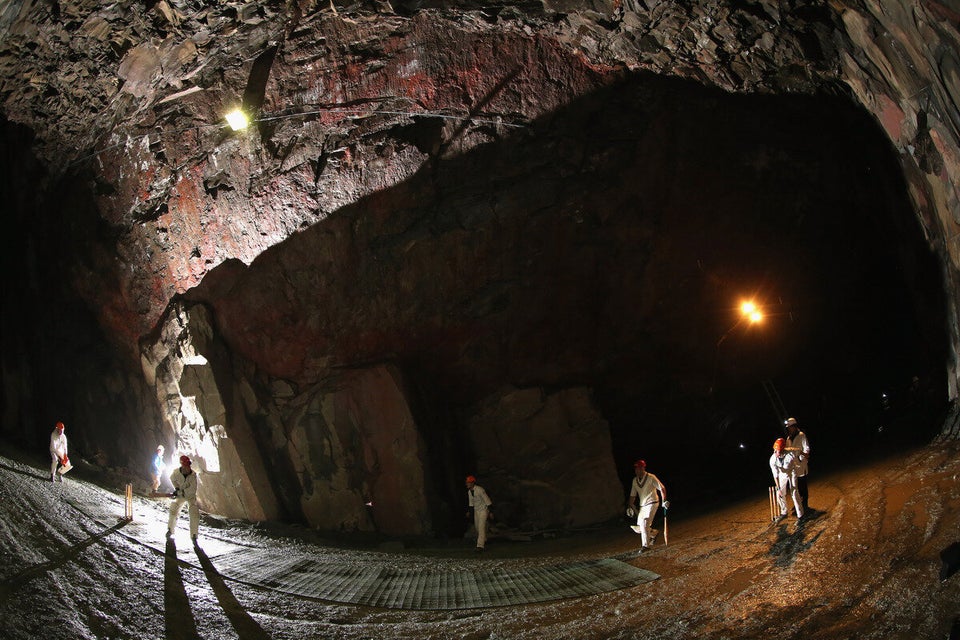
<point x="865" y="566"/>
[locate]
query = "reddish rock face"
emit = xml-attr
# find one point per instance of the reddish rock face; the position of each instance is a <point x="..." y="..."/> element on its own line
<point x="430" y="211"/>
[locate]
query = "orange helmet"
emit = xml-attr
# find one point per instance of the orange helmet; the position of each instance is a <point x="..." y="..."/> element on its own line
<point x="59" y="426"/>
<point x="778" y="444"/>
<point x="471" y="479"/>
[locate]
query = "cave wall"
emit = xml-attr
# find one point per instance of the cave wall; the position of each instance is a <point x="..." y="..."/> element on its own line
<point x="390" y="214"/>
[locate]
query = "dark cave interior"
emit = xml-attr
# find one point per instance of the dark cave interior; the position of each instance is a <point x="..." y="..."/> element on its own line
<point x="606" y="246"/>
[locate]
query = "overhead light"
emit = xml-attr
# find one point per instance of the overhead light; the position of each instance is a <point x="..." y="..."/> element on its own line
<point x="237" y="120"/>
<point x="750" y="311"/>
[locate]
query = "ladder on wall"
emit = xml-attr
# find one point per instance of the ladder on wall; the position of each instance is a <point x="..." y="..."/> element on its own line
<point x="778" y="409"/>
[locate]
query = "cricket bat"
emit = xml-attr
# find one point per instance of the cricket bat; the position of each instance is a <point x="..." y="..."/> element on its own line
<point x="65" y="466"/>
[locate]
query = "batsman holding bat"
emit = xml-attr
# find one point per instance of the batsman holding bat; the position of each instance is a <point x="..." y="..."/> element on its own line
<point x="643" y="492"/>
<point x="58" y="453"/>
<point x="185" y="483"/>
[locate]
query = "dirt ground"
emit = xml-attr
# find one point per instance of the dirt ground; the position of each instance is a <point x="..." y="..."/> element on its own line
<point x="865" y="565"/>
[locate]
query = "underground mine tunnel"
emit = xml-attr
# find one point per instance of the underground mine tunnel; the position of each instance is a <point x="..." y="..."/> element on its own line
<point x="369" y="282"/>
<point x="507" y="240"/>
<point x="541" y="310"/>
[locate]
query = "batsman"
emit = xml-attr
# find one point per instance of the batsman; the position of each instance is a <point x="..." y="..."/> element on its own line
<point x="185" y="483"/>
<point x="643" y="492"/>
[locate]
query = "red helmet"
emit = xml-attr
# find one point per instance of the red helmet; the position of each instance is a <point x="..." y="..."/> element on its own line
<point x="59" y="426"/>
<point x="471" y="479"/>
<point x="185" y="461"/>
<point x="778" y="444"/>
<point x="640" y="464"/>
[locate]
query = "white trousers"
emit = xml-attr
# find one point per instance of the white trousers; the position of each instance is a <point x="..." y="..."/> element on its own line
<point x="480" y="522"/>
<point x="54" y="463"/>
<point x="644" y="520"/>
<point x="783" y="486"/>
<point x="175" y="507"/>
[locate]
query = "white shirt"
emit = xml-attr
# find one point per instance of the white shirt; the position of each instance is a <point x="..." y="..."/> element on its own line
<point x="784" y="466"/>
<point x="186" y="486"/>
<point x="646" y="489"/>
<point x="58" y="443"/>
<point x="478" y="498"/>
<point x="800" y="447"/>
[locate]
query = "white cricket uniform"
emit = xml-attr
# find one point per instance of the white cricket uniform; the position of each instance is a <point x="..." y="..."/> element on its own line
<point x="784" y="469"/>
<point x="186" y="489"/>
<point x="647" y="503"/>
<point x="799" y="446"/>
<point x="480" y="501"/>
<point x="58" y="449"/>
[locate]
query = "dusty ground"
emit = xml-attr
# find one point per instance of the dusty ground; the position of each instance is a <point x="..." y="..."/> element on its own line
<point x="865" y="566"/>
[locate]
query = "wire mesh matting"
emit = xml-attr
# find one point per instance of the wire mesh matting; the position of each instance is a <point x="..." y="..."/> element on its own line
<point x="380" y="585"/>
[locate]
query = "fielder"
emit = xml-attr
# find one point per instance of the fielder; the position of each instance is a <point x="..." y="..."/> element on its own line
<point x="798" y="444"/>
<point x="478" y="499"/>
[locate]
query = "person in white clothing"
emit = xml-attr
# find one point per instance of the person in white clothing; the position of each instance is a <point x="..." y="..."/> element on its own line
<point x="58" y="451"/>
<point x="643" y="493"/>
<point x="783" y="465"/>
<point x="480" y="502"/>
<point x="185" y="484"/>
<point x="798" y="444"/>
<point x="157" y="467"/>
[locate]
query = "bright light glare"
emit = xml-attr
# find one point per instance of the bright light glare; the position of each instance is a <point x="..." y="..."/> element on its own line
<point x="237" y="120"/>
<point x="750" y="311"/>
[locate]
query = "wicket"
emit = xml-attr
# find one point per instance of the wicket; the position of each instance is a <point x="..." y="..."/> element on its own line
<point x="128" y="503"/>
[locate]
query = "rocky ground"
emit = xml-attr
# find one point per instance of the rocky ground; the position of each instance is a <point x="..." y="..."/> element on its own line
<point x="865" y="565"/>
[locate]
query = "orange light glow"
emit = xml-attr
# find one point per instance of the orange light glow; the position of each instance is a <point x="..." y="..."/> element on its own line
<point x="750" y="311"/>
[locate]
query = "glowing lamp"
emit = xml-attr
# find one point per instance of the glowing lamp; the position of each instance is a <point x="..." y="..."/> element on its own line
<point x="750" y="311"/>
<point x="237" y="120"/>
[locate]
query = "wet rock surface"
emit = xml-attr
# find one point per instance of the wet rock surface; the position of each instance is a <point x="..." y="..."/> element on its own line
<point x="865" y="565"/>
<point x="517" y="196"/>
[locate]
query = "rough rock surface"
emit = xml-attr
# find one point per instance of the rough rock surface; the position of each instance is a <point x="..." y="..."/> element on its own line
<point x="867" y="566"/>
<point x="401" y="204"/>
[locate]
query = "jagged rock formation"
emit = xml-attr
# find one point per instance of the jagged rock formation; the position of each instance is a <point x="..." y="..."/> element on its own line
<point x="450" y="225"/>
